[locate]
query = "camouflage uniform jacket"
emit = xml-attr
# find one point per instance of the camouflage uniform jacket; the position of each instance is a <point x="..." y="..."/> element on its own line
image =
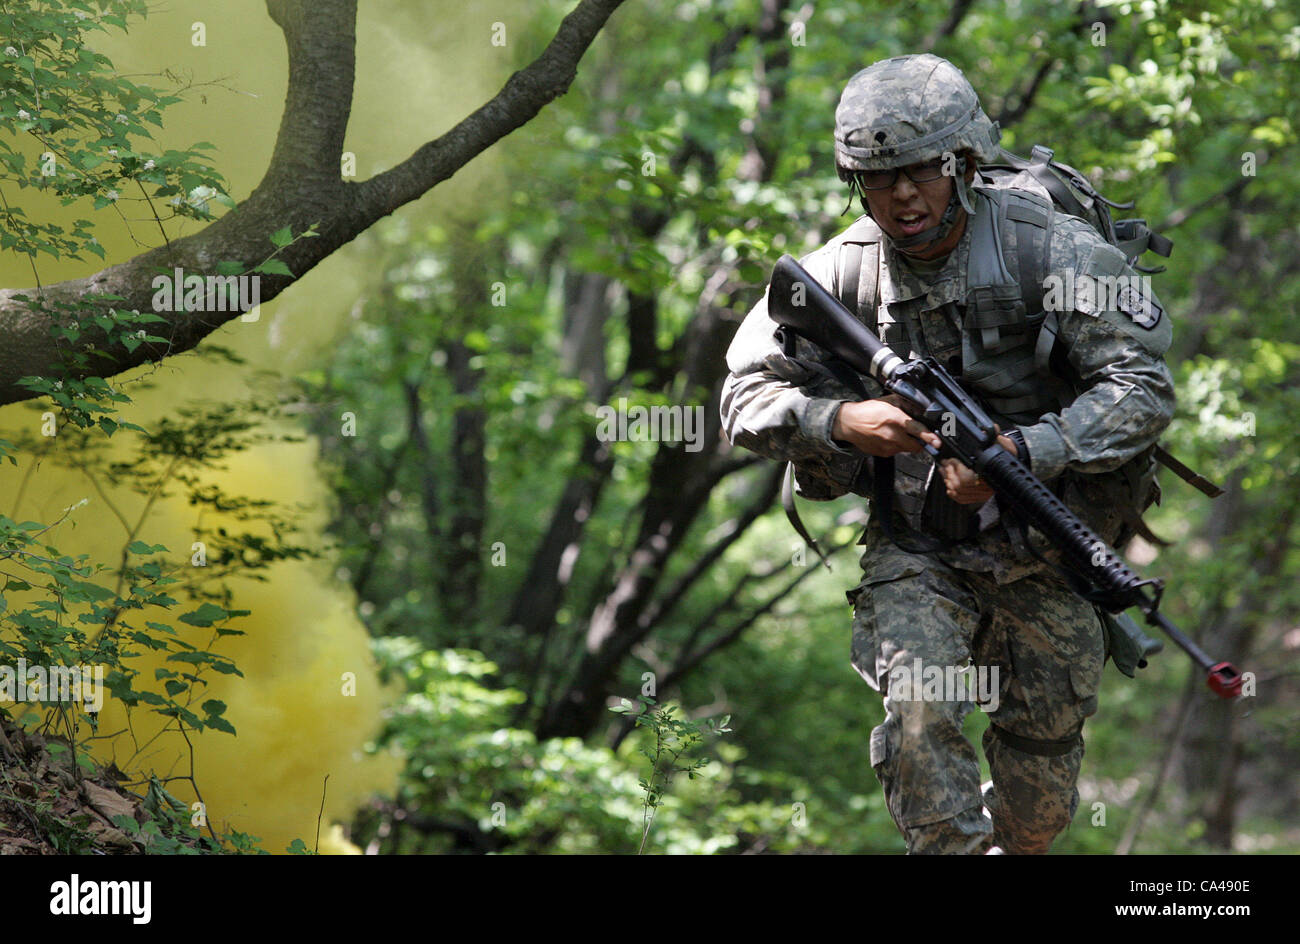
<point x="783" y="406"/>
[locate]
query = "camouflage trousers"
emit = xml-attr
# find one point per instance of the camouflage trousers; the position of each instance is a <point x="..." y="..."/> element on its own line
<point x="1038" y="651"/>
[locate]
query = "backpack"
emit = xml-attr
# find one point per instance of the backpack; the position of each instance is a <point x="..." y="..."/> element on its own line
<point x="1072" y="193"/>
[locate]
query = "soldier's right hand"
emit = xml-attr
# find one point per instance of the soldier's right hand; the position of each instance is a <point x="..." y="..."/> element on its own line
<point x="880" y="428"/>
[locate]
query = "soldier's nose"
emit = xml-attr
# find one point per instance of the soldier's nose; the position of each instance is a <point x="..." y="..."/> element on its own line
<point x="904" y="189"/>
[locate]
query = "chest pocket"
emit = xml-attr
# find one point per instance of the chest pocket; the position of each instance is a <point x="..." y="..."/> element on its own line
<point x="1008" y="377"/>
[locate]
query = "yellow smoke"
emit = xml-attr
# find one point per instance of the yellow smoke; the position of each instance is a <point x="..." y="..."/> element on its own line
<point x="309" y="699"/>
<point x="417" y="74"/>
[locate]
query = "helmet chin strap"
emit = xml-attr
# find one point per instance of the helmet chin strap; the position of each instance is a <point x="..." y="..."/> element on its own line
<point x="960" y="198"/>
<point x="934" y="233"/>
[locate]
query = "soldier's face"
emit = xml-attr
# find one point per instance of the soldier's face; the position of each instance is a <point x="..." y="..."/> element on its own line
<point x="908" y="208"/>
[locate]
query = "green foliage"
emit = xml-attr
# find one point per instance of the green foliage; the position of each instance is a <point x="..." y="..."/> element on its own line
<point x="675" y="740"/>
<point x="82" y="614"/>
<point x="80" y="131"/>
<point x="162" y="824"/>
<point x="496" y="786"/>
<point x="89" y="126"/>
<point x="281" y="239"/>
<point x="474" y="784"/>
<point x="169" y="829"/>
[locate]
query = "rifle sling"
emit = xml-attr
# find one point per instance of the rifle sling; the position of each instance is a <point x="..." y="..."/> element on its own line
<point x="792" y="513"/>
<point x="1195" y="479"/>
<point x="882" y="498"/>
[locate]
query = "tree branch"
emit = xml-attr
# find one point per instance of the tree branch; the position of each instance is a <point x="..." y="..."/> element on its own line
<point x="949" y="26"/>
<point x="302" y="187"/>
<point x="417" y="436"/>
<point x="322" y="66"/>
<point x="1182" y="215"/>
<point x="525" y="94"/>
<point x="660" y="608"/>
<point x="1009" y="116"/>
<point x="690" y="659"/>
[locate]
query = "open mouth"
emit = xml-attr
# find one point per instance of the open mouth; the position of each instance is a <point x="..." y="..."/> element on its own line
<point x="911" y="223"/>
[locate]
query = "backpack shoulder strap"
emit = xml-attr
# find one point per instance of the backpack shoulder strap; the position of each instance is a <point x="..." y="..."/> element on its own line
<point x="850" y="274"/>
<point x="1031" y="217"/>
<point x="857" y="269"/>
<point x="1008" y="259"/>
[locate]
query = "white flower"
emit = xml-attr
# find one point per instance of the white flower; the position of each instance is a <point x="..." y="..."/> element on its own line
<point x="112" y="195"/>
<point x="22" y="113"/>
<point x="80" y="15"/>
<point x="10" y="51"/>
<point x="121" y="118"/>
<point x="113" y="151"/>
<point x="199" y="196"/>
<point x="148" y="165"/>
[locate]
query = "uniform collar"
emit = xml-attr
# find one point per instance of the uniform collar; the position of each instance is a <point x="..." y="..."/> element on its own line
<point x="900" y="284"/>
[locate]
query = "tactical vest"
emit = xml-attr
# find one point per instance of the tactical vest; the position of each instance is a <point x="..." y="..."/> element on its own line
<point x="1008" y="357"/>
<point x="1007" y="339"/>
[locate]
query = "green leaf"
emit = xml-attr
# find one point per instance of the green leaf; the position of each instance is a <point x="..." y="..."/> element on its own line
<point x="139" y="547"/>
<point x="127" y="824"/>
<point x="214" y="707"/>
<point x="274" y="267"/>
<point x="282" y="237"/>
<point x="205" y="615"/>
<point x="220" y="724"/>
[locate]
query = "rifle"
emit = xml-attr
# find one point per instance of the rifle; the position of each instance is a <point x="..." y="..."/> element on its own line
<point x="797" y="302"/>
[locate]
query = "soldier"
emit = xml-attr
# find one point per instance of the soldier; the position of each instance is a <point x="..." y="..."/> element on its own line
<point x="955" y="265"/>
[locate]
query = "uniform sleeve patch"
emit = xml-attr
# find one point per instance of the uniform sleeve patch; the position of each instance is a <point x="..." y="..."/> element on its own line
<point x="1106" y="283"/>
<point x="1139" y="305"/>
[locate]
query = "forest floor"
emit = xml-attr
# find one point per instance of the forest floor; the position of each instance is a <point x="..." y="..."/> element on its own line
<point x="47" y="808"/>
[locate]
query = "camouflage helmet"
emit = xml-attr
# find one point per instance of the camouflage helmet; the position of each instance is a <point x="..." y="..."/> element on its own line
<point x="907" y="110"/>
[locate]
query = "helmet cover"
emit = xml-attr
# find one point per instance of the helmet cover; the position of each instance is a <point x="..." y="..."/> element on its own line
<point x="907" y="110"/>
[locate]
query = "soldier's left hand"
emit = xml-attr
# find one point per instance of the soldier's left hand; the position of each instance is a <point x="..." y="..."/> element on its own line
<point x="964" y="486"/>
